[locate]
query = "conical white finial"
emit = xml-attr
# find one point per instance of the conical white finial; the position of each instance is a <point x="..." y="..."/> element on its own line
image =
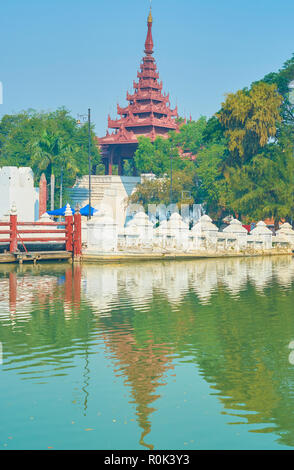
<point x="13" y="210"/>
<point x="68" y="210"/>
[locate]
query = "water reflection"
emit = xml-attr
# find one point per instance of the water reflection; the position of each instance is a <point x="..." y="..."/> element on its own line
<point x="232" y="319"/>
<point x="142" y="367"/>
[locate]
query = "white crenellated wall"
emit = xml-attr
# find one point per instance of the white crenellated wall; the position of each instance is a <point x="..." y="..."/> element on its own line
<point x="174" y="236"/>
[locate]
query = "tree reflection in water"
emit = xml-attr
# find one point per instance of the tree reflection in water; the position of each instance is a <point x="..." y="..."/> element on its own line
<point x="232" y="318"/>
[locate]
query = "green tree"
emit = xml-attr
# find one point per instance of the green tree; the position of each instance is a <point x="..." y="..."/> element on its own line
<point x="20" y="132"/>
<point x="282" y="79"/>
<point x="17" y="131"/>
<point x="155" y="157"/>
<point x="190" y="137"/>
<point x="250" y="119"/>
<point x="264" y="187"/>
<point x="157" y="191"/>
<point x="212" y="187"/>
<point x="48" y="142"/>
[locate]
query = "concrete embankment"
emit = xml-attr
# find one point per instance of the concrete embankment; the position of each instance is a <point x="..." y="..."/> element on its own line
<point x="135" y="256"/>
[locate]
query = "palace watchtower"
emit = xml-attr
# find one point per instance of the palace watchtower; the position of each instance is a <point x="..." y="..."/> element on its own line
<point x="148" y="113"/>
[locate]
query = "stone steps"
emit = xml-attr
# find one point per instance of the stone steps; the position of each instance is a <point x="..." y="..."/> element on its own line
<point x="109" y="190"/>
<point x="99" y="184"/>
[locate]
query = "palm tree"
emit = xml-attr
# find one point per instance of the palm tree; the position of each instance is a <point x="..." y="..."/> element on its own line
<point x="51" y="154"/>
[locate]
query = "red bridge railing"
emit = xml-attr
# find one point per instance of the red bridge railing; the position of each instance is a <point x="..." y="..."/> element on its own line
<point x="25" y="232"/>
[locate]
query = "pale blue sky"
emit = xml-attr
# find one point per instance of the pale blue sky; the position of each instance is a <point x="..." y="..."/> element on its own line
<point x="86" y="53"/>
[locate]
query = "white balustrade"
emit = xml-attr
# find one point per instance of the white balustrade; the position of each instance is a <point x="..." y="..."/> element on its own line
<point x="174" y="236"/>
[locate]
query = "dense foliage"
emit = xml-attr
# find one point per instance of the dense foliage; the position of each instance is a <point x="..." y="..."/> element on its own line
<point x="50" y="142"/>
<point x="243" y="156"/>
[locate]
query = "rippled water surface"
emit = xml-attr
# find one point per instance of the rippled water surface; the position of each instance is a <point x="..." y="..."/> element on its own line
<point x="176" y="355"/>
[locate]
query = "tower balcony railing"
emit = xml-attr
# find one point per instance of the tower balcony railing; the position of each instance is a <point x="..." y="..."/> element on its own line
<point x="135" y="121"/>
<point x="145" y="95"/>
<point x="137" y="108"/>
<point x="148" y="74"/>
<point x="150" y="66"/>
<point x="147" y="84"/>
<point x="148" y="95"/>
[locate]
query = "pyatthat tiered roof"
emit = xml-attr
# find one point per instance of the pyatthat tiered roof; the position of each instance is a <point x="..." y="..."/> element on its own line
<point x="148" y="114"/>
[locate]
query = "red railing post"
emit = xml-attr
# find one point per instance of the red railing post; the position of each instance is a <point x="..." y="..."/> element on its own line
<point x="42" y="195"/>
<point x="77" y="233"/>
<point x="77" y="278"/>
<point x="68" y="287"/>
<point x="69" y="228"/>
<point x="13" y="229"/>
<point x="12" y="292"/>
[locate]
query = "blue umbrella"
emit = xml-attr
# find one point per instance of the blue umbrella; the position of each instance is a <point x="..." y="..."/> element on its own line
<point x="59" y="212"/>
<point x="85" y="210"/>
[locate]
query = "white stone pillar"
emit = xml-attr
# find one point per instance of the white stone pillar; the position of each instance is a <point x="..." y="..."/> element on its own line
<point x="102" y="234"/>
<point x="286" y="233"/>
<point x="235" y="229"/>
<point x="177" y="233"/>
<point x="131" y="237"/>
<point x="160" y="233"/>
<point x="263" y="234"/>
<point x="141" y="226"/>
<point x="205" y="233"/>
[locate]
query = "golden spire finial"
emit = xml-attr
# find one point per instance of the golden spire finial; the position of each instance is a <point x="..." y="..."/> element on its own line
<point x="149" y="40"/>
<point x="150" y="19"/>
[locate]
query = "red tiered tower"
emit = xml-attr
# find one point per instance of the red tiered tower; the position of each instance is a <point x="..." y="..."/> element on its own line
<point x="148" y="114"/>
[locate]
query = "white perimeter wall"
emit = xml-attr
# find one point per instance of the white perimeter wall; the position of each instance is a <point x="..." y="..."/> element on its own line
<point x="17" y="187"/>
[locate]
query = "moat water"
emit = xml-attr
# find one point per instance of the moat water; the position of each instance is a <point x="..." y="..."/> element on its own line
<point x="175" y="355"/>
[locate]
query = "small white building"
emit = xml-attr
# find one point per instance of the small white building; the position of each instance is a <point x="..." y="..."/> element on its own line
<point x="17" y="188"/>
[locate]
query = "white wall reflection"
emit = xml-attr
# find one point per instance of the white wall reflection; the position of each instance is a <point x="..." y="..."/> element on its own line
<point x="100" y="287"/>
<point x="203" y="280"/>
<point x="109" y="286"/>
<point x="260" y="272"/>
<point x="138" y="288"/>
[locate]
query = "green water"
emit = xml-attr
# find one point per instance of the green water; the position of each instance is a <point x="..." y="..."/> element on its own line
<point x="175" y="355"/>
